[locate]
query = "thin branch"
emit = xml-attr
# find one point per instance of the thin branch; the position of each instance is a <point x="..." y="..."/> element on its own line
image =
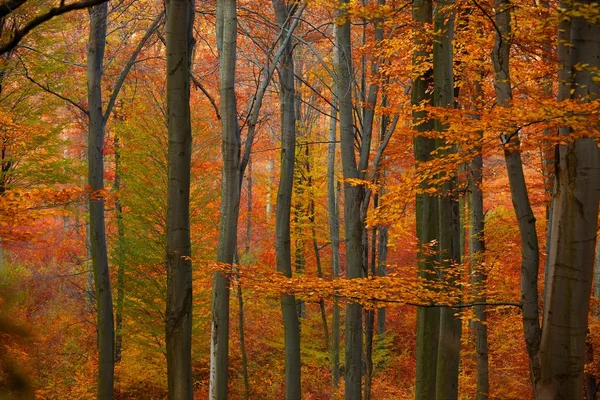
<point x="130" y="63"/>
<point x="208" y="96"/>
<point x="52" y="92"/>
<point x="257" y="99"/>
<point x="19" y="34"/>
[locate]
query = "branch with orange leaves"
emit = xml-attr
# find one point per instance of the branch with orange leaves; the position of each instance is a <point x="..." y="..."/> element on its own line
<point x="371" y="292"/>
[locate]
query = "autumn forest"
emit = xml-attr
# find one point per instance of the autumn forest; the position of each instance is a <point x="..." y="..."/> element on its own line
<point x="299" y="199"/>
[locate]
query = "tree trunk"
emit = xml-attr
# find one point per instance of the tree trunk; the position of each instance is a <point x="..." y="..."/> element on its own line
<point x="426" y="214"/>
<point x="334" y="226"/>
<point x="573" y="235"/>
<point x="180" y="18"/>
<point x="450" y="251"/>
<point x="230" y="196"/>
<point x="249" y="182"/>
<point x="283" y="210"/>
<point x="313" y="230"/>
<point x="381" y="271"/>
<point x="519" y="195"/>
<point x="104" y="307"/>
<point x="477" y="258"/>
<point x="353" y="226"/>
<point x="120" y="254"/>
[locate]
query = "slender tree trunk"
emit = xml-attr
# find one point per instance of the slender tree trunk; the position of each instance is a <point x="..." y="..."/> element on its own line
<point x="450" y="250"/>
<point x="381" y="271"/>
<point x="120" y="254"/>
<point x="249" y="182"/>
<point x="104" y="307"/>
<point x="370" y="314"/>
<point x="180" y="18"/>
<point x="230" y="196"/>
<point x="428" y="319"/>
<point x="383" y="230"/>
<point x="315" y="243"/>
<point x="283" y="211"/>
<point x="519" y="195"/>
<point x="477" y="258"/>
<point x="334" y="230"/>
<point x="353" y="226"/>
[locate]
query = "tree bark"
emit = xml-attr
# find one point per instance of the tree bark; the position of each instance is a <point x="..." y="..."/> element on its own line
<point x="230" y="196"/>
<point x="334" y="225"/>
<point x="283" y="210"/>
<point x="449" y="235"/>
<point x="120" y="254"/>
<point x="353" y="196"/>
<point x="240" y="293"/>
<point x="179" y="29"/>
<point x="519" y="194"/>
<point x="573" y="234"/>
<point x="104" y="307"/>
<point x="477" y="256"/>
<point x="426" y="214"/>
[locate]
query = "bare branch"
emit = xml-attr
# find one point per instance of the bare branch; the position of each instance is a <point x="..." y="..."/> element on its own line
<point x="19" y="34"/>
<point x="130" y="63"/>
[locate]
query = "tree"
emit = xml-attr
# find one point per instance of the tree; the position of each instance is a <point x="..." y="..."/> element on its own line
<point x="284" y="202"/>
<point x="230" y="195"/>
<point x="556" y="350"/>
<point x="97" y="124"/>
<point x="426" y="210"/>
<point x="448" y="358"/>
<point x="180" y="42"/>
<point x="353" y="196"/>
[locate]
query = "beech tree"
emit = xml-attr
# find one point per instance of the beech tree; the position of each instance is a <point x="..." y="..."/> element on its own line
<point x="353" y="196"/>
<point x="179" y="27"/>
<point x="556" y="349"/>
<point x="287" y="97"/>
<point x="230" y="195"/>
<point x="104" y="304"/>
<point x="426" y="209"/>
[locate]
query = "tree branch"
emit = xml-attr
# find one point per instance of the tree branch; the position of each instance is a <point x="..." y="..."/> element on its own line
<point x="19" y="34"/>
<point x="130" y="63"/>
<point x="47" y="89"/>
<point x="268" y="71"/>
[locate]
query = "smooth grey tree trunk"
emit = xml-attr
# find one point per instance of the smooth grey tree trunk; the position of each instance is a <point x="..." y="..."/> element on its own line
<point x="428" y="319"/>
<point x="381" y="272"/>
<point x="450" y="250"/>
<point x="249" y="185"/>
<point x="179" y="29"/>
<point x="573" y="234"/>
<point x="334" y="224"/>
<point x="477" y="256"/>
<point x="104" y="307"/>
<point x="316" y="250"/>
<point x="353" y="226"/>
<point x="230" y="196"/>
<point x="477" y="260"/>
<point x="120" y="254"/>
<point x="283" y="209"/>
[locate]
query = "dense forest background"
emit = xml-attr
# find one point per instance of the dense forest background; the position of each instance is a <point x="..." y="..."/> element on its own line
<point x="375" y="199"/>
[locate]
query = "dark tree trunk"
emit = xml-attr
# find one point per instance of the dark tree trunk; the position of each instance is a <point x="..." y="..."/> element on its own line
<point x="104" y="306"/>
